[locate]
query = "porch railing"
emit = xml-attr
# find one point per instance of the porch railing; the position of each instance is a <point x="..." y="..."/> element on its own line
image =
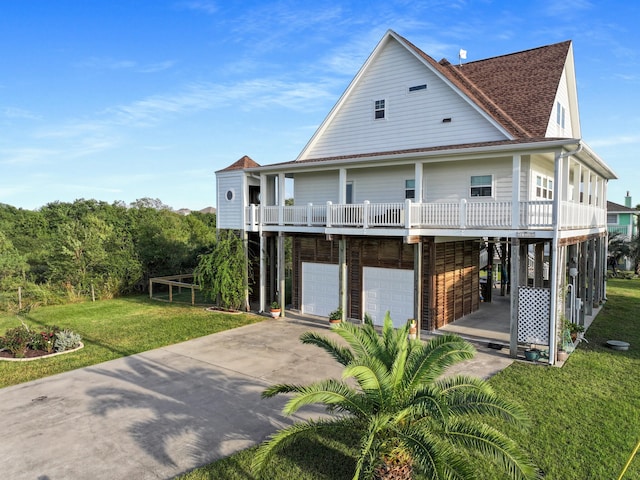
<point x="454" y="215"/>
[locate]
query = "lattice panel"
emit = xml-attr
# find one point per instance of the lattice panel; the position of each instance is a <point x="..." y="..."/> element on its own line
<point x="533" y="315"/>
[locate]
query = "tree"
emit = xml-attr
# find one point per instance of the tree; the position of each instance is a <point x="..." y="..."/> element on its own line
<point x="408" y="416"/>
<point x="220" y="273"/>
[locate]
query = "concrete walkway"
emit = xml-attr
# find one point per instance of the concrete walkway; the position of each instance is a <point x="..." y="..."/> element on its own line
<point x="160" y="413"/>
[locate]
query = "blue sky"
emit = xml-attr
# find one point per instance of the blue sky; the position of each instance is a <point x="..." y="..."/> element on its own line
<point x="119" y="100"/>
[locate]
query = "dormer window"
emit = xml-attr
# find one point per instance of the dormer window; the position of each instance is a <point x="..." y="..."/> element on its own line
<point x="379" y="109"/>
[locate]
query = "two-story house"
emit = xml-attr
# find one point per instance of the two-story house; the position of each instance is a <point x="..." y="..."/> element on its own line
<point x="418" y="169"/>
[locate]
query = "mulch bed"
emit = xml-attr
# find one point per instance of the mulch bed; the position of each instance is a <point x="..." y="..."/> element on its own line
<point x="29" y="354"/>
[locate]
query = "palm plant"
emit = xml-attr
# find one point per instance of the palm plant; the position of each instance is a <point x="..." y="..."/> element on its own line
<point x="409" y="417"/>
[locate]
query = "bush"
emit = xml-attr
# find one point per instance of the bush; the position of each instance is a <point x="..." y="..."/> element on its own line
<point x="17" y="340"/>
<point x="45" y="339"/>
<point x="66" y="340"/>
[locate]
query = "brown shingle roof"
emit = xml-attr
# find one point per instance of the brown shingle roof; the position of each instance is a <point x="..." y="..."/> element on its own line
<point x="616" y="207"/>
<point x="241" y="164"/>
<point x="517" y="90"/>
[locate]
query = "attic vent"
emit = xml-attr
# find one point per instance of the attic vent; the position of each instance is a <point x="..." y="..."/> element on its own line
<point x="446" y="120"/>
<point x="417" y="88"/>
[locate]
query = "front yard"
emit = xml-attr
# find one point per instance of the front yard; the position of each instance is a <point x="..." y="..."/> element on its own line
<point x="585" y="416"/>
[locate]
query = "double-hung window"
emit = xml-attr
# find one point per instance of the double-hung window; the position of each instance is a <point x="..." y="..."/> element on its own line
<point x="481" y="185"/>
<point x="410" y="189"/>
<point x="379" y="109"/>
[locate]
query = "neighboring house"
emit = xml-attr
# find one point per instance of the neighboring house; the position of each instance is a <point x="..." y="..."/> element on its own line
<point x="419" y="169"/>
<point x="622" y="221"/>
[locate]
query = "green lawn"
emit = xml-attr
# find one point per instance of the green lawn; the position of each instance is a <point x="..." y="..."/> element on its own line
<point x="112" y="329"/>
<point x="585" y="416"/>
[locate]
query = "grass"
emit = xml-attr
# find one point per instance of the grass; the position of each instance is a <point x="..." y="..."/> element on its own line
<point x="585" y="416"/>
<point x="114" y="328"/>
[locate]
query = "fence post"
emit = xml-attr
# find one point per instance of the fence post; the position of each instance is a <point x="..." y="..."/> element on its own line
<point x="19" y="298"/>
<point x="365" y="214"/>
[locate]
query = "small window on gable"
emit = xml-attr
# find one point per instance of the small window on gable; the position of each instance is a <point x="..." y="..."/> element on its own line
<point x="410" y="189"/>
<point x="481" y="185"/>
<point x="560" y="114"/>
<point x="379" y="109"/>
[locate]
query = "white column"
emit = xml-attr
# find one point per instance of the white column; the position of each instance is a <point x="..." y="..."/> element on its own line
<point x="418" y="184"/>
<point x="515" y="192"/>
<point x="342" y="186"/>
<point x="281" y="266"/>
<point x="263" y="273"/>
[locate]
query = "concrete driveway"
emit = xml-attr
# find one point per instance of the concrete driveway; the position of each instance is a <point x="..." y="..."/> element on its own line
<point x="160" y="413"/>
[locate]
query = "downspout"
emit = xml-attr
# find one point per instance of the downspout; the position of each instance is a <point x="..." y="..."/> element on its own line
<point x="555" y="241"/>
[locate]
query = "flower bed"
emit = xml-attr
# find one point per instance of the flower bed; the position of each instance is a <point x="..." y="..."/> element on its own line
<point x="24" y="343"/>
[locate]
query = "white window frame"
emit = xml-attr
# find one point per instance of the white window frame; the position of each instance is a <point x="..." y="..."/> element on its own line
<point x="543" y="188"/>
<point x="380" y="105"/>
<point x="481" y="186"/>
<point x="560" y="114"/>
<point x="410" y="189"/>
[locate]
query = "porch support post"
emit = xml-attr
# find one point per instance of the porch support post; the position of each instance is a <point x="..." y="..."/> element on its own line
<point x="418" y="198"/>
<point x="281" y="283"/>
<point x="417" y="284"/>
<point x="515" y="192"/>
<point x="515" y="280"/>
<point x="597" y="275"/>
<point x="582" y="280"/>
<point x="591" y="253"/>
<point x="342" y="273"/>
<point x="245" y="273"/>
<point x="342" y="186"/>
<point x="263" y="273"/>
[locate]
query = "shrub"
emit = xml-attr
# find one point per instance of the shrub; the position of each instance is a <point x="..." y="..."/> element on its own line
<point x="17" y="340"/>
<point x="66" y="340"/>
<point x="45" y="339"/>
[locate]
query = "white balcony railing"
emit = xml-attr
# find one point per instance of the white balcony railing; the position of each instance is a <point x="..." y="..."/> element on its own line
<point x="445" y="215"/>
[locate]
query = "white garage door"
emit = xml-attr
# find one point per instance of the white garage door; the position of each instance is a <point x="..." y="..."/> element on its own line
<point x="320" y="288"/>
<point x="388" y="289"/>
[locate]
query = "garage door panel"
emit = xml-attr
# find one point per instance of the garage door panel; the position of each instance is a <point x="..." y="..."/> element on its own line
<point x="388" y="289"/>
<point x="320" y="288"/>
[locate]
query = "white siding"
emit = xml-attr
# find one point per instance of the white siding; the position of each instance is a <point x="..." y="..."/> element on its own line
<point x="380" y="185"/>
<point x="317" y="188"/>
<point x="562" y="96"/>
<point x="412" y="119"/>
<point x="447" y="182"/>
<point x="229" y="213"/>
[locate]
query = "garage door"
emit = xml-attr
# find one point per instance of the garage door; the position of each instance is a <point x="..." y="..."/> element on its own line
<point x="388" y="289"/>
<point x="320" y="288"/>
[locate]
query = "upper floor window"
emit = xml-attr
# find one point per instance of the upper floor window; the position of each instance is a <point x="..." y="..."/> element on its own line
<point x="481" y="185"/>
<point x="612" y="218"/>
<point x="379" y="109"/>
<point x="410" y="189"/>
<point x="544" y="187"/>
<point x="560" y="113"/>
<point x="349" y="193"/>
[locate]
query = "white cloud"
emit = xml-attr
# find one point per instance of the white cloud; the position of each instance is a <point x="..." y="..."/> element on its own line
<point x="14" y="112"/>
<point x="99" y="63"/>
